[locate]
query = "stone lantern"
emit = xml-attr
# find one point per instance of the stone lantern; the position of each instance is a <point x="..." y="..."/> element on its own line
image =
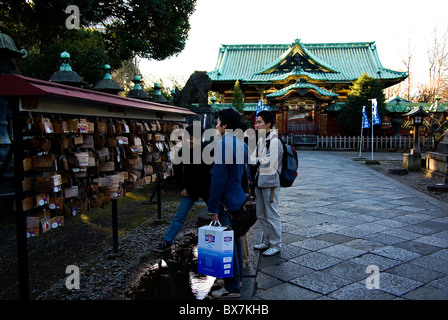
<point x="137" y="91"/>
<point x="157" y="95"/>
<point x="65" y="74"/>
<point x="8" y="54"/>
<point x="413" y="160"/>
<point x="107" y="84"/>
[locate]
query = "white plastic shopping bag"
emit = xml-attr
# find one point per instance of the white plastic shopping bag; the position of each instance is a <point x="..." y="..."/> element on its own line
<point x="215" y="251"/>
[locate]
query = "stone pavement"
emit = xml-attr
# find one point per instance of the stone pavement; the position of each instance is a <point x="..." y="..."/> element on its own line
<point x="339" y="218"/>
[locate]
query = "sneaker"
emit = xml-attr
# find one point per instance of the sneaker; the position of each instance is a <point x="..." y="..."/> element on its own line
<point x="261" y="246"/>
<point x="163" y="247"/>
<point x="220" y="283"/>
<point x="224" y="294"/>
<point x="271" y="251"/>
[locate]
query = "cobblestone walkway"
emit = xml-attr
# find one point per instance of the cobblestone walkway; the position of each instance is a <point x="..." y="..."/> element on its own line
<point x="342" y="222"/>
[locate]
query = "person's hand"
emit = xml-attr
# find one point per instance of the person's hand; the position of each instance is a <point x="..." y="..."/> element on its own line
<point x="214" y="217"/>
<point x="184" y="193"/>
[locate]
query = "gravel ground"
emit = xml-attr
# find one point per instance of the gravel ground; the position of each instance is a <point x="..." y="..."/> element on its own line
<point x="88" y="245"/>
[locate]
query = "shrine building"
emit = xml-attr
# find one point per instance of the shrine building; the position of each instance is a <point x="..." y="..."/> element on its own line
<point x="305" y="85"/>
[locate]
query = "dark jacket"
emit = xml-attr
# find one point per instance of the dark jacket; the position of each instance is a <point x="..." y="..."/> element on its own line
<point x="228" y="184"/>
<point x="195" y="178"/>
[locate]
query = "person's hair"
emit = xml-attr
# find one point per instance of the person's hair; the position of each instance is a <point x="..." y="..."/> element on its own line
<point x="190" y="127"/>
<point x="267" y="117"/>
<point x="231" y="118"/>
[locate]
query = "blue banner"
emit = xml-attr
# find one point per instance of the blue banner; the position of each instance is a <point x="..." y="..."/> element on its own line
<point x="365" y="118"/>
<point x="375" y="116"/>
<point x="260" y="107"/>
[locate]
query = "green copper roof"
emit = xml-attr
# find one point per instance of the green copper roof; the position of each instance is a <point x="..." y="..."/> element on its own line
<point x="302" y="85"/>
<point x="248" y="107"/>
<point x="297" y="48"/>
<point x="334" y="62"/>
<point x="407" y="107"/>
<point x="398" y="104"/>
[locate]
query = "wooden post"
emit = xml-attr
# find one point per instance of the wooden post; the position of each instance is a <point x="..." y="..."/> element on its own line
<point x="115" y="224"/>
<point x="22" y="246"/>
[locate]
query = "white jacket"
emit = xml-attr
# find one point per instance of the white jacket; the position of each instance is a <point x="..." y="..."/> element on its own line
<point x="269" y="158"/>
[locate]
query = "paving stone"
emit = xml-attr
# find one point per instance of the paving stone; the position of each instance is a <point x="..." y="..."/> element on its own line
<point x="363" y="244"/>
<point x="290" y="251"/>
<point x="422" y="228"/>
<point x="381" y="214"/>
<point x="373" y="259"/>
<point x="432" y="263"/>
<point x="287" y="227"/>
<point x="356" y="220"/>
<point x="442" y="234"/>
<point x="434" y="241"/>
<point x="441" y="254"/>
<point x="397" y="285"/>
<point x="427" y="293"/>
<point x="408" y="219"/>
<point x="330" y="227"/>
<point x="270" y="261"/>
<point x="316" y="261"/>
<point x="396" y="253"/>
<point x="416" y="273"/>
<point x="308" y="232"/>
<point x="418" y="247"/>
<point x="354" y="232"/>
<point x="372" y="227"/>
<point x="265" y="281"/>
<point x="319" y="203"/>
<point x="342" y="252"/>
<point x="385" y="239"/>
<point x="287" y="291"/>
<point x="410" y="208"/>
<point x="289" y="237"/>
<point x="441" y="283"/>
<point x="287" y="270"/>
<point x="402" y="233"/>
<point x="320" y="282"/>
<point x="312" y="244"/>
<point x="334" y="238"/>
<point x="358" y="291"/>
<point x="348" y="270"/>
<point x="391" y="223"/>
<point x="443" y="219"/>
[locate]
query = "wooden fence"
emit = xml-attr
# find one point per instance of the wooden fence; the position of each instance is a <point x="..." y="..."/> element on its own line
<point x="393" y="143"/>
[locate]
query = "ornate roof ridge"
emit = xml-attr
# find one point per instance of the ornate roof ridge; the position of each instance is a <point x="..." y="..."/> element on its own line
<point x="300" y="48"/>
<point x="288" y="45"/>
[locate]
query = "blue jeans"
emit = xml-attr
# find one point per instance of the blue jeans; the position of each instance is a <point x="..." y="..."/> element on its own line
<point x="185" y="206"/>
<point x="233" y="284"/>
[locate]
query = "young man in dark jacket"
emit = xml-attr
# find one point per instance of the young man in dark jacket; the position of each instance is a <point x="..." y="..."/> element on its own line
<point x="231" y="156"/>
<point x="193" y="178"/>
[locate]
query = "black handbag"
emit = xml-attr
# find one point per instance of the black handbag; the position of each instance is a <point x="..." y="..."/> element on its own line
<point x="245" y="217"/>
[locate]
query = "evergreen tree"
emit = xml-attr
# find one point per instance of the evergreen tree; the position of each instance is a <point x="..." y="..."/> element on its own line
<point x="110" y="31"/>
<point x="362" y="90"/>
<point x="238" y="99"/>
<point x="238" y="103"/>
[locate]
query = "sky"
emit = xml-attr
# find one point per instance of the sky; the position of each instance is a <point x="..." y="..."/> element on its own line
<point x="396" y="26"/>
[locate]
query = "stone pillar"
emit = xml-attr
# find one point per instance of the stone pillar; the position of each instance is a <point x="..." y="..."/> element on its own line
<point x="412" y="162"/>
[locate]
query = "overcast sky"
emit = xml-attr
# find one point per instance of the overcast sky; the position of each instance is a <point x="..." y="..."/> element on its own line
<point x="397" y="27"/>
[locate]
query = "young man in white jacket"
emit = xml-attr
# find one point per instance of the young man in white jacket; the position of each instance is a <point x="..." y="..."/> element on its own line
<point x="268" y="158"/>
